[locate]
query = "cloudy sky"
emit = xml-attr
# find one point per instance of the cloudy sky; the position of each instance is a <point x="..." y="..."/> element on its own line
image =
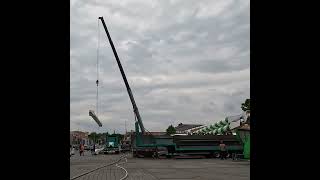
<point x="186" y="61"/>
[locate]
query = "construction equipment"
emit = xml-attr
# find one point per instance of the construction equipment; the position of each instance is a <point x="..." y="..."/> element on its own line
<point x="135" y="108"/>
<point x="94" y="117"/>
<point x="233" y="124"/>
<point x="243" y="134"/>
<point x="221" y="127"/>
<point x="145" y="144"/>
<point x="112" y="144"/>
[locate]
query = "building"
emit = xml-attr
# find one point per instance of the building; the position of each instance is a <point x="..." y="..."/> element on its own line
<point x="77" y="137"/>
<point x="157" y="133"/>
<point x="187" y="128"/>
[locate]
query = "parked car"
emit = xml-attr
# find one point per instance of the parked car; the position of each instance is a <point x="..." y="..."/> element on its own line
<point x="99" y="150"/>
<point x="86" y="147"/>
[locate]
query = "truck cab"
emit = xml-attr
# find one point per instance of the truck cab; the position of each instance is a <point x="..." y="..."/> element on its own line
<point x="112" y="145"/>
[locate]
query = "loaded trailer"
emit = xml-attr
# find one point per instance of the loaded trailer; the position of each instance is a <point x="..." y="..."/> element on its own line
<point x="146" y="145"/>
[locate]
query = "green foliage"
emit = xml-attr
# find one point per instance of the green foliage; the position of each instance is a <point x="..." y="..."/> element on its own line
<point x="171" y="130"/>
<point x="246" y="105"/>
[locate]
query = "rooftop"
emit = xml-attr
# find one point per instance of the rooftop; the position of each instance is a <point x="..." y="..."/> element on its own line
<point x="183" y="127"/>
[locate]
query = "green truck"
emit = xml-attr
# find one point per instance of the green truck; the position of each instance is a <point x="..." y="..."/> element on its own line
<point x="112" y="145"/>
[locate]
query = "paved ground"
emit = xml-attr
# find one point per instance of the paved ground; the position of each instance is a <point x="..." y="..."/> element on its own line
<point x="82" y="164"/>
<point x="159" y="169"/>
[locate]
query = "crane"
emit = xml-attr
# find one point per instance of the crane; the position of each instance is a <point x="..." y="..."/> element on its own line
<point x="147" y="144"/>
<point x="134" y="105"/>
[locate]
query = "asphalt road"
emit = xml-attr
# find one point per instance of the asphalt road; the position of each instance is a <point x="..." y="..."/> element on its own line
<point x="158" y="169"/>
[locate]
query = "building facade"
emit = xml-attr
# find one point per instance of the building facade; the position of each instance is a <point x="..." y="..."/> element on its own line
<point x="79" y="137"/>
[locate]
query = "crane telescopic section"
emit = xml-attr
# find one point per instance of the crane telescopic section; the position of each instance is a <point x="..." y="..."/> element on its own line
<point x="134" y="105"/>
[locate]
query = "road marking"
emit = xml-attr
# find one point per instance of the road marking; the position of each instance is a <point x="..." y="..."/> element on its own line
<point x="78" y="176"/>
<point x="126" y="175"/>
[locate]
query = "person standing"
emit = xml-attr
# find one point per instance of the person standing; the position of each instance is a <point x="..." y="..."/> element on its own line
<point x="223" y="150"/>
<point x="93" y="149"/>
<point x="81" y="149"/>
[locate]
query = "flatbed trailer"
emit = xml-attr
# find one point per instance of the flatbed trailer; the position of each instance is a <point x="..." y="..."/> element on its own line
<point x="145" y="145"/>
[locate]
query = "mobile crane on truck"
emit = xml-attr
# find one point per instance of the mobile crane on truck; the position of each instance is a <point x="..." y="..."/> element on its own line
<point x="145" y="144"/>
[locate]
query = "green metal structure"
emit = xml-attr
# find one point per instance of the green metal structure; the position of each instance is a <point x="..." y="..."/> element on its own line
<point x="217" y="128"/>
<point x="244" y="136"/>
<point x="222" y="127"/>
<point x="112" y="144"/>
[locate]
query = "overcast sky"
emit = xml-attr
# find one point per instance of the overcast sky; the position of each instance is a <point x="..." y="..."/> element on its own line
<point x="186" y="61"/>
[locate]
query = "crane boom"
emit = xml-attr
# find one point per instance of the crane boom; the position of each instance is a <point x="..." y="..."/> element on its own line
<point x="135" y="108"/>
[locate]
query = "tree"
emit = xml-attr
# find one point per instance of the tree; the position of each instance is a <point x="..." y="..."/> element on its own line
<point x="171" y="130"/>
<point x="246" y="105"/>
<point x="92" y="135"/>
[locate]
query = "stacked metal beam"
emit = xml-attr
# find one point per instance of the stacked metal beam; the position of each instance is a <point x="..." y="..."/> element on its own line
<point x="223" y="126"/>
<point x="95" y="118"/>
<point x="220" y="127"/>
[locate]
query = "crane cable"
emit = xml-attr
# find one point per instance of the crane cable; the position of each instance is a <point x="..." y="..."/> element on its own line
<point x="97" y="82"/>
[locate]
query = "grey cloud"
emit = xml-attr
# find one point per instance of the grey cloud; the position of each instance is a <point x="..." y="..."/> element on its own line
<point x="186" y="61"/>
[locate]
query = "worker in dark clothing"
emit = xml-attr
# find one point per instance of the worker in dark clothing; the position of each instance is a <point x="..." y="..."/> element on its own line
<point x="223" y="150"/>
<point x="93" y="150"/>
